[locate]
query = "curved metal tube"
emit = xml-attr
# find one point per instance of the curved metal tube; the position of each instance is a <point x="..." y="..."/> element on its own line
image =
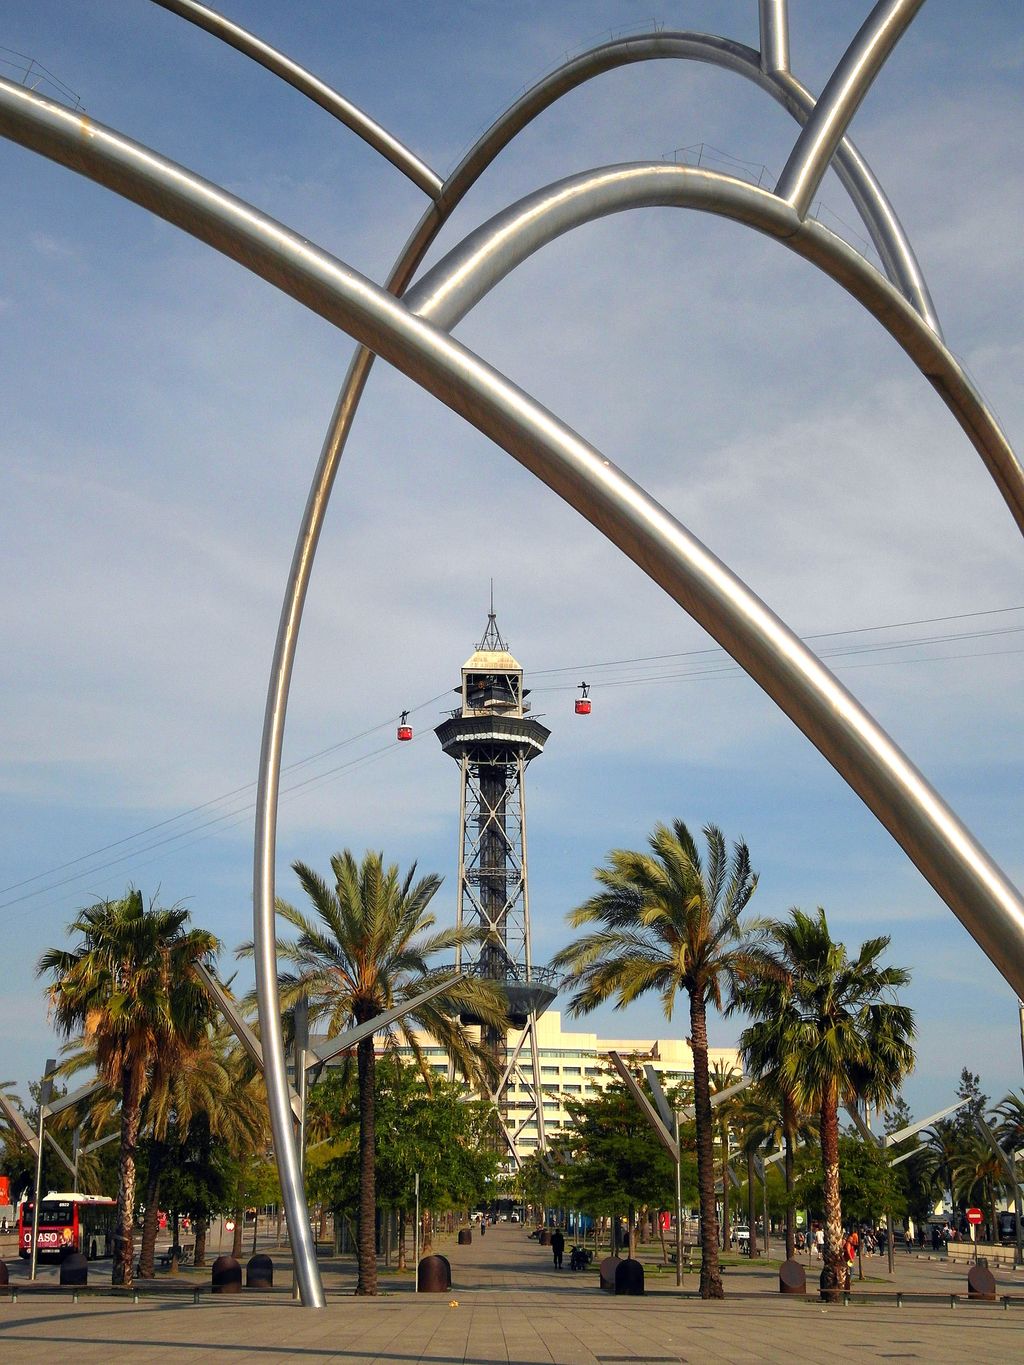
<point x="452" y="287"/>
<point x="773" y="24"/>
<point x="872" y="204"/>
<point x="878" y="215"/>
<point x="932" y="836"/>
<point x="876" y="211"/>
<point x="312" y="87"/>
<point x="840" y="100"/>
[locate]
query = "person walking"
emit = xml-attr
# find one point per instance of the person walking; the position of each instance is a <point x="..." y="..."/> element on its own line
<point x="557" y="1247"/>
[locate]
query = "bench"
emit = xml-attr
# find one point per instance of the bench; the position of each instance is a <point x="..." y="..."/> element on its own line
<point x="687" y="1257"/>
<point x="184" y="1255"/>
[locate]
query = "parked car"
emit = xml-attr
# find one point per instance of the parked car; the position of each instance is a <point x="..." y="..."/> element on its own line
<point x="741" y="1235"/>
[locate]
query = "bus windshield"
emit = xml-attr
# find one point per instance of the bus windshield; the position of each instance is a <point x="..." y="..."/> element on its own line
<point x="52" y="1212"/>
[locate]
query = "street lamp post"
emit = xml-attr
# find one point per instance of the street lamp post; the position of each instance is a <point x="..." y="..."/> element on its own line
<point x="679" y="1202"/>
<point x="45" y="1092"/>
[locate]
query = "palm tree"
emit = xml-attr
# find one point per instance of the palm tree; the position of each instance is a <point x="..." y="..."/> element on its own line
<point x="767" y="997"/>
<point x="128" y="988"/>
<point x="835" y="1035"/>
<point x="759" y="1124"/>
<point x="365" y="950"/>
<point x="941" y="1149"/>
<point x="720" y="1077"/>
<point x="979" y="1176"/>
<point x="670" y="922"/>
<point x="1010" y="1127"/>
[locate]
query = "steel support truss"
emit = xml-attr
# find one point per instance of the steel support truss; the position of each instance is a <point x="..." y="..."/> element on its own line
<point x="957" y="867"/>
<point x="493" y="811"/>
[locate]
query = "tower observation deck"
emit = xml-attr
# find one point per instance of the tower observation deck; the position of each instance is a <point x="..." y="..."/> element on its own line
<point x="492" y="738"/>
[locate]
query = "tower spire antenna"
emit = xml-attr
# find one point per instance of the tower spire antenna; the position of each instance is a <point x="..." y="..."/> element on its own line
<point x="492" y="639"/>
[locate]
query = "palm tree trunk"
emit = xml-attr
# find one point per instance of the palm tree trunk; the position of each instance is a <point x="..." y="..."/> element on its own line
<point x="150" y="1224"/>
<point x="789" y="1143"/>
<point x="131" y="1114"/>
<point x="710" y="1274"/>
<point x="401" y="1240"/>
<point x="366" y="1234"/>
<point x="834" y="1274"/>
<point x="202" y="1223"/>
<point x="236" y="1236"/>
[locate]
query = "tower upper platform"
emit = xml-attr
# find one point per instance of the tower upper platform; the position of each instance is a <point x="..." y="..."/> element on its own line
<point x="492" y="722"/>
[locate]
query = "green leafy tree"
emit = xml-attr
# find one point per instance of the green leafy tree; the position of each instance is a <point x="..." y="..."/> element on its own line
<point x="424" y="1126"/>
<point x="870" y="1186"/>
<point x="128" y="988"/>
<point x="897" y="1116"/>
<point x="915" y="1170"/>
<point x="669" y="922"/>
<point x="838" y="1035"/>
<point x="615" y="1163"/>
<point x="365" y="949"/>
<point x="536" y="1182"/>
<point x="965" y="1120"/>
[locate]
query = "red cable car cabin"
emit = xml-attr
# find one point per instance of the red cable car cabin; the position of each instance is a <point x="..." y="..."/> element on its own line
<point x="583" y="702"/>
<point x="404" y="729"/>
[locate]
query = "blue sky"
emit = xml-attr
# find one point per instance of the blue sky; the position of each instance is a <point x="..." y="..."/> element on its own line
<point x="163" y="410"/>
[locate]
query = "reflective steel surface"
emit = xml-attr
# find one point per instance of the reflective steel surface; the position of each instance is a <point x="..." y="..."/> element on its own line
<point x="988" y="905"/>
<point x="452" y="287"/>
<point x="311" y="86"/>
<point x="839" y="101"/>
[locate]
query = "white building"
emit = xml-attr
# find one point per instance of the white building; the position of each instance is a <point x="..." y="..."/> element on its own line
<point x="574" y="1066"/>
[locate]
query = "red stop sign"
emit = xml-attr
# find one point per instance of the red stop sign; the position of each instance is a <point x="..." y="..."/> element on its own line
<point x="975" y="1216"/>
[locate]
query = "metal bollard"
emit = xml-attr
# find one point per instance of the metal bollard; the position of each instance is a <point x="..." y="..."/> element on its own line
<point x="226" y="1276"/>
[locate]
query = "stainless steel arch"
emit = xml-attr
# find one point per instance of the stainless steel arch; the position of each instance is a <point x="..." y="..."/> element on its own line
<point x="877" y="213"/>
<point x="769" y="69"/>
<point x="872" y="204"/>
<point x="312" y="87"/>
<point x="487" y="255"/>
<point x="955" y="864"/>
<point x="867" y="195"/>
<point x="839" y="101"/>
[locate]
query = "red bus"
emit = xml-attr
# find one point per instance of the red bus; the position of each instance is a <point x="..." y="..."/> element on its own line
<point x="67" y="1222"/>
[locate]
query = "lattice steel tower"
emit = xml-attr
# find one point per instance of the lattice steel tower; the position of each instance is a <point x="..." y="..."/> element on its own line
<point x="492" y="738"/>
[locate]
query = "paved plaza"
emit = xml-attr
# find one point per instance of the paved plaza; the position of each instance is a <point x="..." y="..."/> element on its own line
<point x="508" y="1304"/>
